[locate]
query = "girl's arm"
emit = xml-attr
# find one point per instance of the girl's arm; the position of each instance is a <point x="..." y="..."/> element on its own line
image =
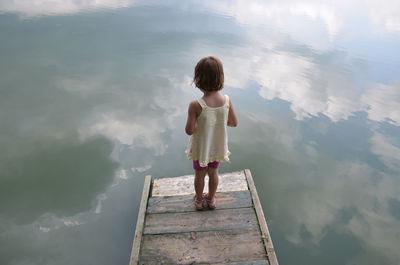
<point x="193" y="113"/>
<point x="232" y="119"/>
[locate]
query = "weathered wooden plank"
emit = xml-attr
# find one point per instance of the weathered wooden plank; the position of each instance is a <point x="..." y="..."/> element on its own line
<point x="224" y="247"/>
<point x="234" y="181"/>
<point x="269" y="247"/>
<point x="200" y="221"/>
<point x="140" y="222"/>
<point x="251" y="262"/>
<point x="184" y="203"/>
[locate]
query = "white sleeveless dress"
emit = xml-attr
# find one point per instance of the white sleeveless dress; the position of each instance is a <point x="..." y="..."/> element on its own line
<point x="209" y="142"/>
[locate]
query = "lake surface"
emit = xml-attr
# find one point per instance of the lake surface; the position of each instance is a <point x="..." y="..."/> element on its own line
<point x="94" y="96"/>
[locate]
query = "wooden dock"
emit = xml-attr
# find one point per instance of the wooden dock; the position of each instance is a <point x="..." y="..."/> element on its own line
<point x="169" y="230"/>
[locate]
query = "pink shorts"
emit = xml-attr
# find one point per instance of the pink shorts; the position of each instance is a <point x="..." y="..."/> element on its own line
<point x="196" y="165"/>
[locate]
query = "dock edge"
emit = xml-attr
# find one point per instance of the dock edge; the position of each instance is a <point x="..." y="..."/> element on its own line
<point x="134" y="260"/>
<point x="269" y="247"/>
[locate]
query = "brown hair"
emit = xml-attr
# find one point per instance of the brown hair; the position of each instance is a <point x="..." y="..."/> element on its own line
<point x="209" y="74"/>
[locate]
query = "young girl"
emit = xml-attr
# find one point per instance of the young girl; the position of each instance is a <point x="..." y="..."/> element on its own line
<point x="207" y="123"/>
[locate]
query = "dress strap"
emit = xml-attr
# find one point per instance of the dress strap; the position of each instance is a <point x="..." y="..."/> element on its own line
<point x="226" y="100"/>
<point x="202" y="103"/>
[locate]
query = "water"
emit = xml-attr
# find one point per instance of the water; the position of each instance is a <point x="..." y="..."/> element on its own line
<point x="94" y="96"/>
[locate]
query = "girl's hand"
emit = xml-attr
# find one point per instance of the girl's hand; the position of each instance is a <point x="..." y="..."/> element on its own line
<point x="232" y="119"/>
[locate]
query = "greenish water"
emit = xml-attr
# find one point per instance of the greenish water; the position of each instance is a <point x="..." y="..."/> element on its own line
<point x="94" y="96"/>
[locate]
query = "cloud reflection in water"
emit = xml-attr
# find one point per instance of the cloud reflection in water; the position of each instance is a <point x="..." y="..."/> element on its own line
<point x="286" y="69"/>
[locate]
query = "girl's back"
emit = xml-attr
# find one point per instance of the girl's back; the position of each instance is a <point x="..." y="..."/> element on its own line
<point x="209" y="142"/>
<point x="214" y="100"/>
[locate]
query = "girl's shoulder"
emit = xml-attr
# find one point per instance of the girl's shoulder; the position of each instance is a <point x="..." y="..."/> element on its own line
<point x="195" y="106"/>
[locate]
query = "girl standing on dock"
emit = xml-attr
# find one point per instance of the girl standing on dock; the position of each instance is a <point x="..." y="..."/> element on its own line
<point x="208" y="118"/>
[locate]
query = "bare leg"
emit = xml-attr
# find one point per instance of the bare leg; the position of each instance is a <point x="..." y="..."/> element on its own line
<point x="199" y="183"/>
<point x="212" y="182"/>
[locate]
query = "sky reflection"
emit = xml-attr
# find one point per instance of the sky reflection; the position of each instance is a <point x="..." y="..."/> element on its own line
<point x="92" y="102"/>
<point x="29" y="9"/>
